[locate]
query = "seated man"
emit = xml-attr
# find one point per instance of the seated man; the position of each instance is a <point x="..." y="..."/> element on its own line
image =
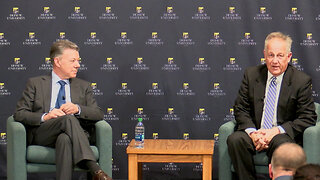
<point x="56" y="109"/>
<point x="285" y="160"/>
<point x="274" y="106"/>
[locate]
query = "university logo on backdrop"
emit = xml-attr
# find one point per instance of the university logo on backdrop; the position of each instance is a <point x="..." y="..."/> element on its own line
<point x="201" y="116"/>
<point x="155" y="90"/>
<point x="247" y="40"/>
<point x="46" y="14"/>
<point x="138" y="14"/>
<point x="217" y="91"/>
<point x="93" y="40"/>
<point x="140" y="114"/>
<point x="124" y="141"/>
<point x="111" y="116"/>
<point x="109" y="65"/>
<point x="77" y="14"/>
<point x="262" y="15"/>
<point x="154" y="40"/>
<point x="185" y="91"/>
<point x="17" y="65"/>
<point x="170" y="115"/>
<point x="200" y="15"/>
<point x="123" y="40"/>
<point x="108" y="14"/>
<point x="170" y="66"/>
<point x="3" y="40"/>
<point x="139" y="65"/>
<point x="201" y="66"/>
<point x="294" y="15"/>
<point x="169" y="14"/>
<point x="232" y="14"/>
<point x="15" y="15"/>
<point x="31" y="40"/>
<point x="232" y="66"/>
<point x="96" y="90"/>
<point x="309" y="41"/>
<point x="185" y="40"/>
<point x="229" y="116"/>
<point x="3" y="90"/>
<point x="216" y="40"/>
<point x="47" y="65"/>
<point x="124" y="91"/>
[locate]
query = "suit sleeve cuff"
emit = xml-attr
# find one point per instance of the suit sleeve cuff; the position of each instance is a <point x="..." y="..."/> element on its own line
<point x="282" y="131"/>
<point x="250" y="130"/>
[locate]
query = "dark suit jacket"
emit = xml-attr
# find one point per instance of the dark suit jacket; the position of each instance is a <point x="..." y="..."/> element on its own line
<point x="36" y="100"/>
<point x="296" y="110"/>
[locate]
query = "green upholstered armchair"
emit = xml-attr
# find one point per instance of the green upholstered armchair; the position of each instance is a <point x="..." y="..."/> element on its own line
<point x="23" y="159"/>
<point x="311" y="146"/>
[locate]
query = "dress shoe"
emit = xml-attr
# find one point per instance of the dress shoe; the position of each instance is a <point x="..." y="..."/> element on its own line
<point x="100" y="175"/>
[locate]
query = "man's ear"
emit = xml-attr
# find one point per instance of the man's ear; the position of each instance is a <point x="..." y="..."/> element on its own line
<point x="56" y="61"/>
<point x="270" y="171"/>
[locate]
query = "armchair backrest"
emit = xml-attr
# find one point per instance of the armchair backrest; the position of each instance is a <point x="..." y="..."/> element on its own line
<point x="317" y="111"/>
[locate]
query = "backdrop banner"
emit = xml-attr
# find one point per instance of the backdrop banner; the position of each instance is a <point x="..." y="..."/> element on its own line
<point x="177" y="64"/>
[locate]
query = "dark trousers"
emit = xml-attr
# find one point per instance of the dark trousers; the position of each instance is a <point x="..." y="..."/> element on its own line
<point x="67" y="136"/>
<point x="241" y="150"/>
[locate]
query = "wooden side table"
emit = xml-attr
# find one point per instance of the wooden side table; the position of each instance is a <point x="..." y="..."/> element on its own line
<point x="170" y="150"/>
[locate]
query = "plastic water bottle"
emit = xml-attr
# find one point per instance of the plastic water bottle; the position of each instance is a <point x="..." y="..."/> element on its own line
<point x="139" y="134"/>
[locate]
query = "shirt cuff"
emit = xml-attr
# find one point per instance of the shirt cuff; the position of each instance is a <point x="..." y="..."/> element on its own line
<point x="250" y="130"/>
<point x="78" y="114"/>
<point x="282" y="131"/>
<point x="42" y="120"/>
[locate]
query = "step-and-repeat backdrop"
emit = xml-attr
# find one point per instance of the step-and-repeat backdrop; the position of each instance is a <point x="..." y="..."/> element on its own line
<point x="177" y="64"/>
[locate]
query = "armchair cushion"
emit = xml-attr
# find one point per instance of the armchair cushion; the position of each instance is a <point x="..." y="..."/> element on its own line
<point x="46" y="155"/>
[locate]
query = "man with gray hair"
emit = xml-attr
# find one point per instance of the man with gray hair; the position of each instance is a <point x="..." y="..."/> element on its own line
<point x="285" y="160"/>
<point x="57" y="109"/>
<point x="274" y="106"/>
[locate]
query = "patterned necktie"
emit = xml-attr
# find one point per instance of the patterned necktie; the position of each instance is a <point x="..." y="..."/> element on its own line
<point x="61" y="99"/>
<point x="270" y="102"/>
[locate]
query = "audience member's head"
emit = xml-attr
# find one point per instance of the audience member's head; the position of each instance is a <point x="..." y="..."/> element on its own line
<point x="286" y="159"/>
<point x="308" y="172"/>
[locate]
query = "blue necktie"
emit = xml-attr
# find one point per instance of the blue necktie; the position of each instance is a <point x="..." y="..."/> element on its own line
<point x="61" y="99"/>
<point x="270" y="102"/>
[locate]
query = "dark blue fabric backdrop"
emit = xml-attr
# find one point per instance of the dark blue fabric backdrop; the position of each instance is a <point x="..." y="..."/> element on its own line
<point x="177" y="64"/>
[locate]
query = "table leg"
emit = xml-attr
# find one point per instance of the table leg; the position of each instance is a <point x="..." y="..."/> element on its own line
<point x="207" y="167"/>
<point x="132" y="167"/>
<point x="140" y="171"/>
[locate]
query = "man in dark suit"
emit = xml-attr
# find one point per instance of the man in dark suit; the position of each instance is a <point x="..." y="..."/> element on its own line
<point x="274" y="106"/>
<point x="57" y="108"/>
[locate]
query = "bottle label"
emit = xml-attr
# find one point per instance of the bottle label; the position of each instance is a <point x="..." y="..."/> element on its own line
<point x="139" y="137"/>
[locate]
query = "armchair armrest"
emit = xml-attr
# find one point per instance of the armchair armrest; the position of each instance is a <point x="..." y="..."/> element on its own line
<point x="16" y="150"/>
<point x="104" y="144"/>
<point x="224" y="160"/>
<point x="311" y="146"/>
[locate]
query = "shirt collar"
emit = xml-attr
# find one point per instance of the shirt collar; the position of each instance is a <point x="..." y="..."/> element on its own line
<point x="55" y="78"/>
<point x="279" y="78"/>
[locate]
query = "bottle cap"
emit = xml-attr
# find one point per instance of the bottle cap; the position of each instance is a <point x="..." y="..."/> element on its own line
<point x="139" y="119"/>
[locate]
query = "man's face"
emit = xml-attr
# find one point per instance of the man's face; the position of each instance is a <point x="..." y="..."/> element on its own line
<point x="67" y="64"/>
<point x="277" y="56"/>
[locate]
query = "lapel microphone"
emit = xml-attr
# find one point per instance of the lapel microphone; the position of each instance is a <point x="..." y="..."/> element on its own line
<point x="63" y="98"/>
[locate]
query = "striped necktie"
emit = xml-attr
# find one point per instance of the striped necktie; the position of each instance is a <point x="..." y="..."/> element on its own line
<point x="270" y="103"/>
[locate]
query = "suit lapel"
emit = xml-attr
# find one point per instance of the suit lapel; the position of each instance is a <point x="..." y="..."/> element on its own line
<point x="259" y="93"/>
<point x="74" y="91"/>
<point x="285" y="92"/>
<point x="47" y="86"/>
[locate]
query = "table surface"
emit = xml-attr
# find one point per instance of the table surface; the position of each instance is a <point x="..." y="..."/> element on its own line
<point x="173" y="146"/>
